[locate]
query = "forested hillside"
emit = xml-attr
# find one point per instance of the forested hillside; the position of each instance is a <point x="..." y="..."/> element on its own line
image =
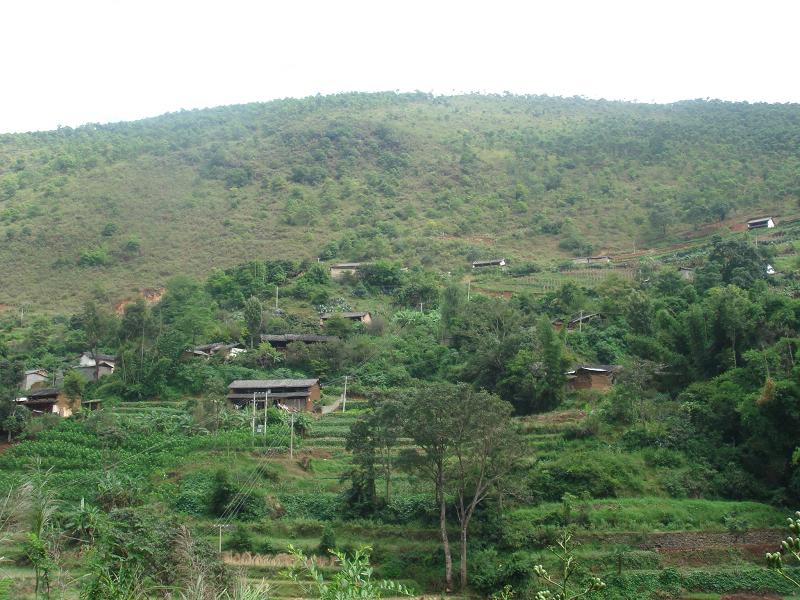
<point x="109" y="209"/>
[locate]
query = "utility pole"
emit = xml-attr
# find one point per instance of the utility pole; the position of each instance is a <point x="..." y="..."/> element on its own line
<point x="276" y="297"/>
<point x="291" y="436"/>
<point x="420" y="307"/>
<point x="220" y="536"/>
<point x="469" y="285"/>
<point x="266" y="401"/>
<point x="253" y="419"/>
<point x="580" y="322"/>
<point x="344" y="395"/>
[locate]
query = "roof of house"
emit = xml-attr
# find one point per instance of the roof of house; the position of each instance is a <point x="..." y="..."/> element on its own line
<point x="215" y="346"/>
<point x="344" y="315"/>
<point x="298" y="337"/>
<point x="493" y="261"/>
<point x="43" y="393"/>
<point x="583" y="318"/>
<point x="685" y="268"/>
<point x="100" y="356"/>
<point x="352" y="265"/>
<point x="101" y="363"/>
<point x="601" y="257"/>
<point x="272" y="383"/>
<point x="596" y="369"/>
<point x="35" y="371"/>
<point x="759" y="220"/>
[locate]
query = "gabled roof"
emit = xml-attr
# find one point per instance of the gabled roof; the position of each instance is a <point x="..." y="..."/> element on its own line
<point x="352" y="265"/>
<point x="595" y="369"/>
<point x="493" y="261"/>
<point x="100" y="356"/>
<point x="272" y="383"/>
<point x="37" y="371"/>
<point x="759" y="220"/>
<point x="583" y="318"/>
<point x="215" y="346"/>
<point x="344" y="315"/>
<point x="40" y="394"/>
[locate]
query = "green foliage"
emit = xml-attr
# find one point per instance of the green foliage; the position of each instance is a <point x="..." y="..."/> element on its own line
<point x="240" y="541"/>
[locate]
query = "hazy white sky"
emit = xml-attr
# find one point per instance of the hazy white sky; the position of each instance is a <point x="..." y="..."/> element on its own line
<point x="69" y="62"/>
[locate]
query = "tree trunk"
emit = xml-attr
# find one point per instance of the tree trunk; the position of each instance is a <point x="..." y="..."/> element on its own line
<point x="463" y="566"/>
<point x="448" y="558"/>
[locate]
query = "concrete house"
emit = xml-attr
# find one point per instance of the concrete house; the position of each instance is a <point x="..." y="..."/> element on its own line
<point x="591" y="377"/>
<point x="686" y="273"/>
<point x="494" y="262"/>
<point x="292" y="394"/>
<point x="338" y="271"/>
<point x="761" y="223"/>
<point x="47" y="401"/>
<point x="360" y="317"/>
<point x="35" y="379"/>
<point x="592" y="260"/>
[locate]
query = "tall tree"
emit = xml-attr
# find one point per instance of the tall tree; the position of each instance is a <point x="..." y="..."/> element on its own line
<point x="254" y="317"/>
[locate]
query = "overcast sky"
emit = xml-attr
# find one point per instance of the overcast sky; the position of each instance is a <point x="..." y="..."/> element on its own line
<point x="70" y="62"/>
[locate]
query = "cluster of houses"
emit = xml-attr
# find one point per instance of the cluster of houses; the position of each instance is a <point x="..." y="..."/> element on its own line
<point x="43" y="396"/>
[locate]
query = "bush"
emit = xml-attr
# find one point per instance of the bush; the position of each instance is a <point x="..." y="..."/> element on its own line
<point x="327" y="542"/>
<point x="240" y="541"/>
<point x="491" y="571"/>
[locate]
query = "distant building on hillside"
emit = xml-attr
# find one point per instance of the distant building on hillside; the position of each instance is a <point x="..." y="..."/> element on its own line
<point x="576" y="323"/>
<point x="590" y="260"/>
<point x="96" y="367"/>
<point x="214" y="349"/>
<point x="494" y="262"/>
<point x="47" y="401"/>
<point x="686" y="273"/>
<point x="292" y="394"/>
<point x="338" y="271"/>
<point x="35" y="379"/>
<point x="360" y="317"/>
<point x="282" y="340"/>
<point x="592" y="377"/>
<point x="770" y="270"/>
<point x="761" y="223"/>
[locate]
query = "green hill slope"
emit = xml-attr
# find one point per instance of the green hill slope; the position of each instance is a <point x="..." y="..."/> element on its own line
<point x="361" y="176"/>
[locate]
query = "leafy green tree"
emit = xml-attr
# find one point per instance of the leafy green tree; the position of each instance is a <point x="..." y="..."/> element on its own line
<point x="74" y="386"/>
<point x="240" y="541"/>
<point x="254" y="317"/>
<point x="97" y="325"/>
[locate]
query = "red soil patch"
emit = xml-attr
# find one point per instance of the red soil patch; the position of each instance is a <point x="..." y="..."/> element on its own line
<point x="150" y="296"/>
<point x="4" y="446"/>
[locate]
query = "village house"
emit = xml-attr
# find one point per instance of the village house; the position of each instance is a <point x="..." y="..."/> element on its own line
<point x="495" y="262"/>
<point x="576" y="323"/>
<point x="360" y="317"/>
<point x="47" y="401"/>
<point x="591" y="377"/>
<point x="292" y="394"/>
<point x="761" y="223"/>
<point x="35" y="379"/>
<point x="591" y="260"/>
<point x="686" y="273"/>
<point x="215" y="349"/>
<point x="281" y="340"/>
<point x="96" y="367"/>
<point x="340" y="270"/>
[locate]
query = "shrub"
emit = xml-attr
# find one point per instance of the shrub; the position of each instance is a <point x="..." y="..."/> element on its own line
<point x="491" y="571"/>
<point x="240" y="541"/>
<point x="327" y="542"/>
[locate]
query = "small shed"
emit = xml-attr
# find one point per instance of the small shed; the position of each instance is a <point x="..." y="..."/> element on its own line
<point x="338" y="271"/>
<point x="281" y="340"/>
<point x="686" y="273"/>
<point x="47" y="401"/>
<point x="761" y="223"/>
<point x="293" y="394"/>
<point x="494" y="262"/>
<point x="592" y="377"/>
<point x="359" y="316"/>
<point x="35" y="379"/>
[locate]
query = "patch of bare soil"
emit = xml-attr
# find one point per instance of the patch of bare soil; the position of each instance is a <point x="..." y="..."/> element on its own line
<point x="558" y="417"/>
